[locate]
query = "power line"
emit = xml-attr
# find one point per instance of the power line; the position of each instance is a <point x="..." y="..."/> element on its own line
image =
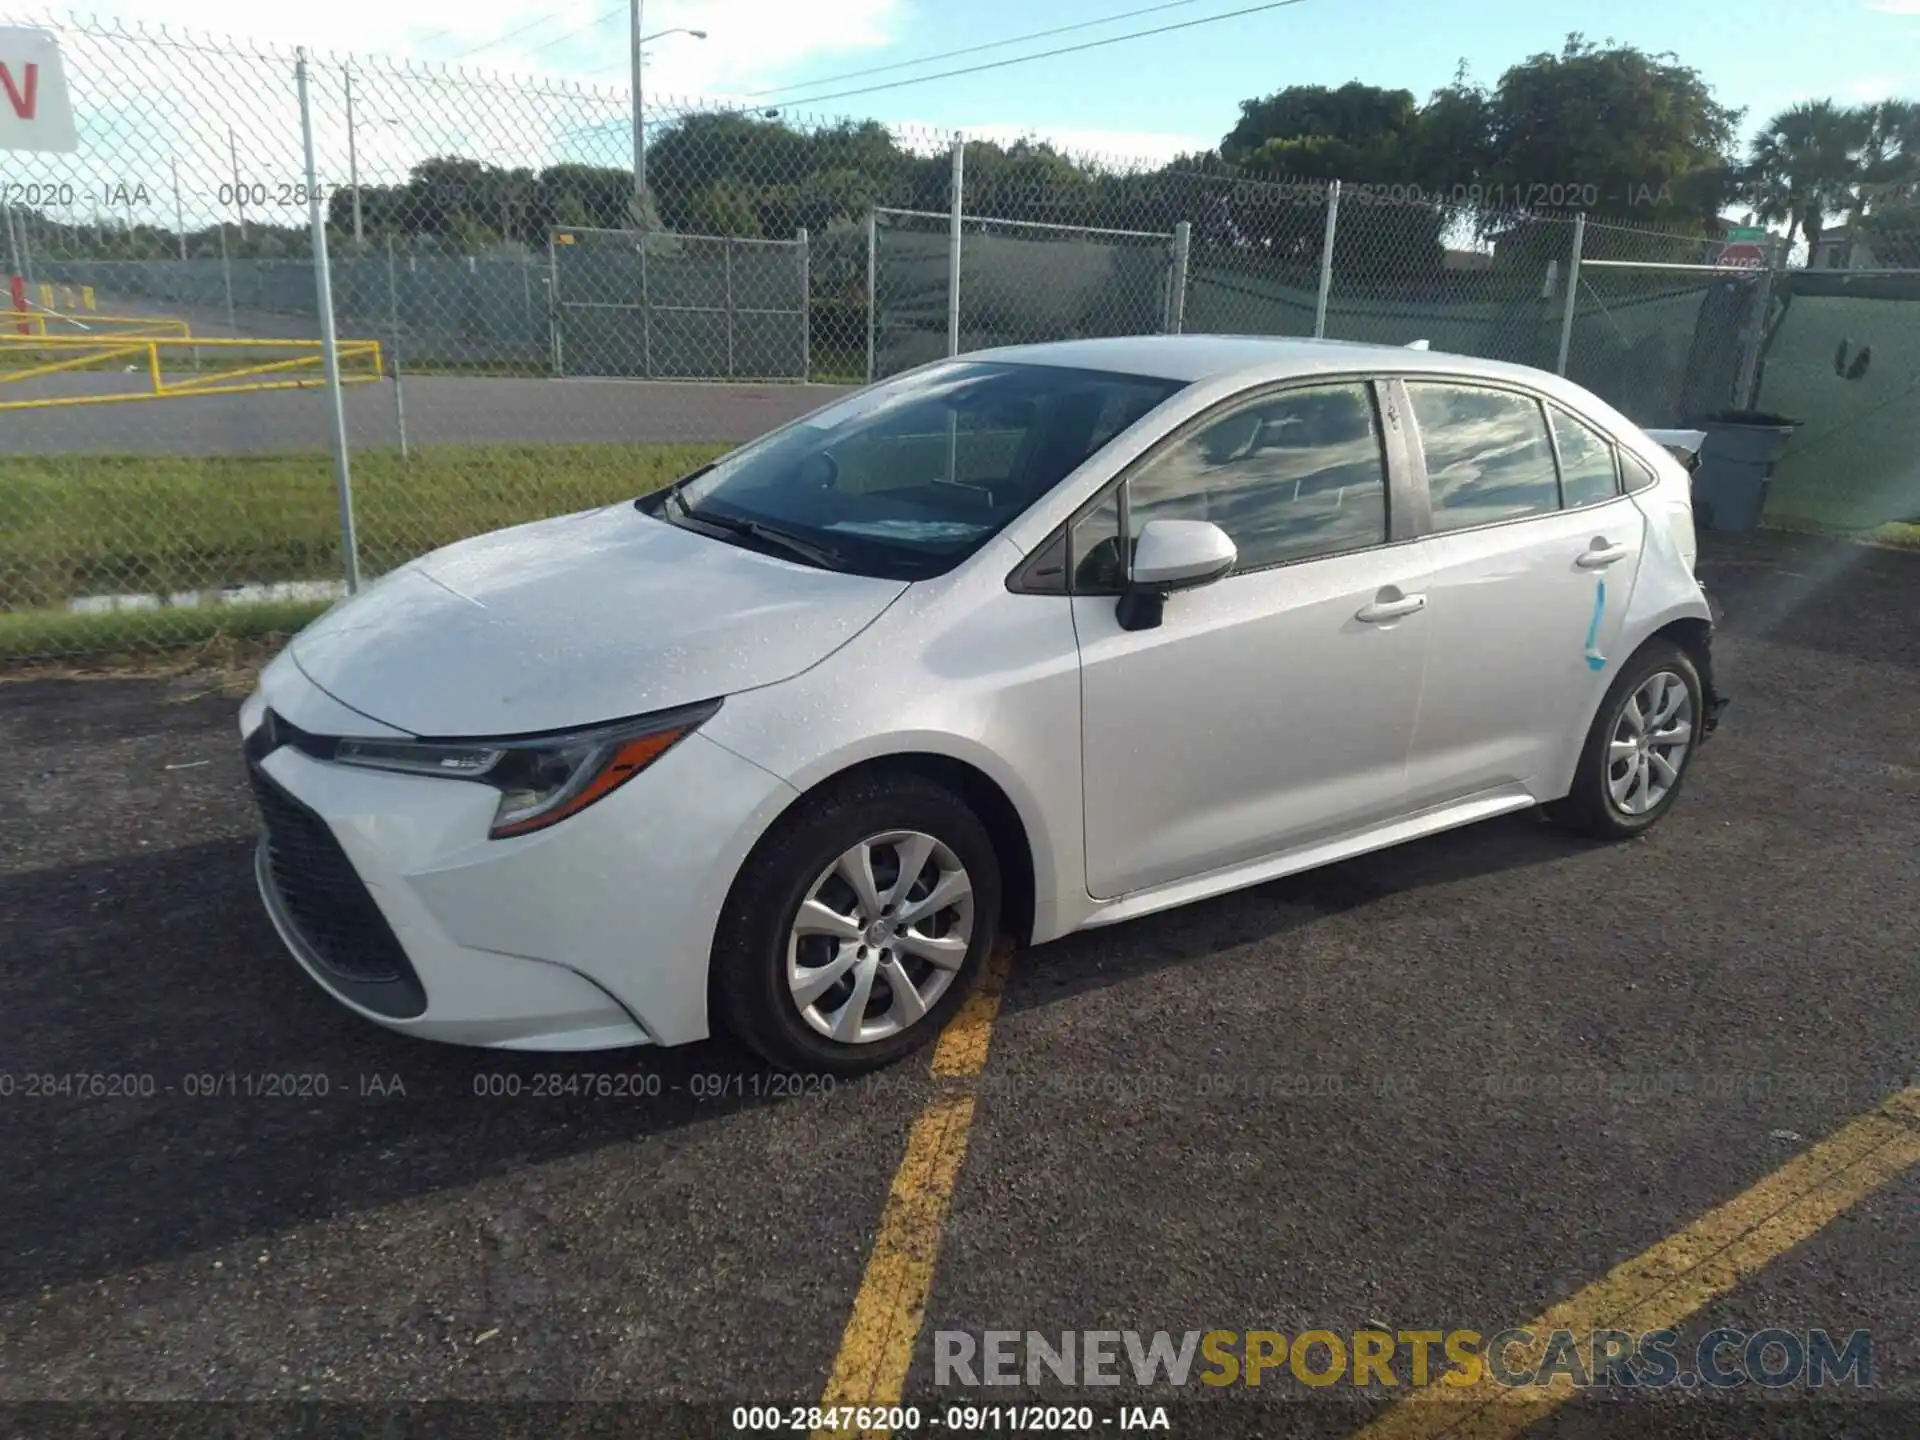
<point x="594" y="24"/>
<point x="1044" y="54"/>
<point x="501" y="40"/>
<point x="969" y="50"/>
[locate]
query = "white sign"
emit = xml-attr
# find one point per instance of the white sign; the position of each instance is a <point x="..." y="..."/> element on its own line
<point x="34" y="113"/>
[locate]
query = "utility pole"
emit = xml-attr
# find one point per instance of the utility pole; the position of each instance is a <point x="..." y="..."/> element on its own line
<point x="329" y="341"/>
<point x="639" y="204"/>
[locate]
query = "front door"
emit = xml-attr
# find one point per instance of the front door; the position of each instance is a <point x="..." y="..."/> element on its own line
<point x="1271" y="708"/>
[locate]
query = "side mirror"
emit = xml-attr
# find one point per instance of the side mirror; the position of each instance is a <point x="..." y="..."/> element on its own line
<point x="1172" y="555"/>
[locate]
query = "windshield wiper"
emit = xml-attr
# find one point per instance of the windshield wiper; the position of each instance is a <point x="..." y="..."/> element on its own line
<point x="770" y="535"/>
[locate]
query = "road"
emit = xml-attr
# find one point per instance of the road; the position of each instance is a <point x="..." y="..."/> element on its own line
<point x="1445" y="1086"/>
<point x="440" y="410"/>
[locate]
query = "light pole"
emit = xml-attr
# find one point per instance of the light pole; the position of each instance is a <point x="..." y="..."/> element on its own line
<point x="639" y="114"/>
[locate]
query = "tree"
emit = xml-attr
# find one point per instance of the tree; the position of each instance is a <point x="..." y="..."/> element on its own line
<point x="1890" y="158"/>
<point x="590" y="196"/>
<point x="1356" y="133"/>
<point x="1807" y="166"/>
<point x="1614" y="132"/>
<point x="1361" y="135"/>
<point x="1892" y="232"/>
<point x="725" y="207"/>
<point x="1452" y="148"/>
<point x="1888" y="213"/>
<point x="1028" y="180"/>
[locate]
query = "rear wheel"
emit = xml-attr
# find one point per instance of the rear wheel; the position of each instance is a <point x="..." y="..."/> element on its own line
<point x="1637" y="752"/>
<point x="857" y="926"/>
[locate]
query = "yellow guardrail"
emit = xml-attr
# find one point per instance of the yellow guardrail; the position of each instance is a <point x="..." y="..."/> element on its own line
<point x="65" y="296"/>
<point x="31" y="323"/>
<point x="359" y="363"/>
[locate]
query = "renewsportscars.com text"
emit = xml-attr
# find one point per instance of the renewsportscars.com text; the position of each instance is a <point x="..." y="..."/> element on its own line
<point x="1517" y="1358"/>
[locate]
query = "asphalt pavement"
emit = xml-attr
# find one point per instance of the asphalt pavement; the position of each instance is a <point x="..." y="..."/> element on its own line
<point x="1443" y="1087"/>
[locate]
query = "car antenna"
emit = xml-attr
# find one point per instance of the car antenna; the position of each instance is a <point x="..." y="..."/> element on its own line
<point x="1419" y="345"/>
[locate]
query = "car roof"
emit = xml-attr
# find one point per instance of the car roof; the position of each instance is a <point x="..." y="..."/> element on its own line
<point x="1256" y="357"/>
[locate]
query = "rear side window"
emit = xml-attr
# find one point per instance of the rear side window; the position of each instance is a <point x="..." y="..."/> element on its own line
<point x="1635" y="474"/>
<point x="1586" y="462"/>
<point x="1488" y="454"/>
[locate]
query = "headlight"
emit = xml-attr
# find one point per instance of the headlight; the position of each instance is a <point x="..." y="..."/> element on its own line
<point x="543" y="779"/>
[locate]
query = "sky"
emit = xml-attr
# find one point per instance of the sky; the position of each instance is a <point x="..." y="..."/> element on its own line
<point x="1145" y="98"/>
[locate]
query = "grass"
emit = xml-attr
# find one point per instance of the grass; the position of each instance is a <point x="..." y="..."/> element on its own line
<point x="73" y="526"/>
<point x="28" y="634"/>
<point x="225" y="663"/>
<point x="1895" y="534"/>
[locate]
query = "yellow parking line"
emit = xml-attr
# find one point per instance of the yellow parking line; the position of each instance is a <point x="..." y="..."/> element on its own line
<point x="876" y="1349"/>
<point x="1659" y="1289"/>
<point x="961" y="1053"/>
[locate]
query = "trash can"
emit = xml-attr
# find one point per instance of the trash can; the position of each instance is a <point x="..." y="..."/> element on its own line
<point x="1736" y="464"/>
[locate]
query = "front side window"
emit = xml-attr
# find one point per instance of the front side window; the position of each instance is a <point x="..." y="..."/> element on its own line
<point x="1488" y="455"/>
<point x="1290" y="477"/>
<point x="1587" y="475"/>
<point x="1099" y="567"/>
<point x="909" y="477"/>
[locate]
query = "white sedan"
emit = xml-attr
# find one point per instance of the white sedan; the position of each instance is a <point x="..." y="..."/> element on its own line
<point x="1019" y="643"/>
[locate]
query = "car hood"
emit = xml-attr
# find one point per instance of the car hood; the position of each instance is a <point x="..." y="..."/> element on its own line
<point x="576" y="620"/>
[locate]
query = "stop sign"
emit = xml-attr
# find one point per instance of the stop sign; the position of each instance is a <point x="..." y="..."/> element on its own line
<point x="1743" y="254"/>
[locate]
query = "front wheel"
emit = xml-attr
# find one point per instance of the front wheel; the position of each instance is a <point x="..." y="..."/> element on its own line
<point x="1637" y="752"/>
<point x="857" y="926"/>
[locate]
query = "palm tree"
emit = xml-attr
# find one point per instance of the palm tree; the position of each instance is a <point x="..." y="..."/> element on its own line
<point x="1806" y="166"/>
<point x="1890" y="158"/>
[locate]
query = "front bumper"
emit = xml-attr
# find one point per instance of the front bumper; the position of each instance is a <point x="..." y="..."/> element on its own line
<point x="592" y="934"/>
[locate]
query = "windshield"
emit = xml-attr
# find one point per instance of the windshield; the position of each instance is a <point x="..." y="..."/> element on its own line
<point x="907" y="478"/>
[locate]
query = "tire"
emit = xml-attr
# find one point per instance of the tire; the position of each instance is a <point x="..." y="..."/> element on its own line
<point x="1594" y="806"/>
<point x="761" y="965"/>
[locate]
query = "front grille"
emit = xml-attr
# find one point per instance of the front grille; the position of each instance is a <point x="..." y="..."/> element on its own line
<point x="323" y="895"/>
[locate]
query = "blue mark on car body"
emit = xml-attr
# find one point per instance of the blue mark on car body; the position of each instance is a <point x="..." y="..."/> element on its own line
<point x="1595" y="660"/>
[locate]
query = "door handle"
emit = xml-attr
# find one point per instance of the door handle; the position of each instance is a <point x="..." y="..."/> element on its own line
<point x="1382" y="610"/>
<point x="1600" y="556"/>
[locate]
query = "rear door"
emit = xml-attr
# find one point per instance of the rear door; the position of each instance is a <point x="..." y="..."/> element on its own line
<point x="1535" y="548"/>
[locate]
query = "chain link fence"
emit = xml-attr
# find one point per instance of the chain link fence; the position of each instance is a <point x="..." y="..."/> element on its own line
<point x="144" y="333"/>
<point x="663" y="305"/>
<point x="169" y="469"/>
<point x="1019" y="281"/>
<point x="1659" y="328"/>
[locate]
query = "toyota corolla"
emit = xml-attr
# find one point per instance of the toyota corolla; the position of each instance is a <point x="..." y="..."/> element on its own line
<point x="1018" y="643"/>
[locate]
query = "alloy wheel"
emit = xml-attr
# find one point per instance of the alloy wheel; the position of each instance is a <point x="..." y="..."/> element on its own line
<point x="879" y="937"/>
<point x="1648" y="748"/>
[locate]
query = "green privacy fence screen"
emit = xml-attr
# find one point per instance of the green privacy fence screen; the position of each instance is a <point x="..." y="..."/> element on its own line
<point x="1845" y="360"/>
